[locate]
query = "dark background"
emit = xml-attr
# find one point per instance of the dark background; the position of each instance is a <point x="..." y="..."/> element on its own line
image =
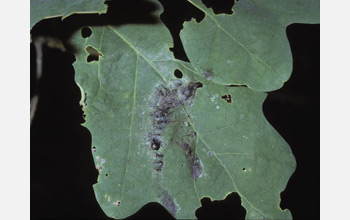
<point x="62" y="168"/>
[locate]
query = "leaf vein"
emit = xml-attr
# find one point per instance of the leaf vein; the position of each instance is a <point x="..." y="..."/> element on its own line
<point x="131" y="123"/>
<point x="99" y="67"/>
<point x="138" y="52"/>
<point x="234" y="39"/>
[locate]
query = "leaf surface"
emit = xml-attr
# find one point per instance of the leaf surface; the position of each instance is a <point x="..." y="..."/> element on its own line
<point x="158" y="138"/>
<point x="41" y="9"/>
<point x="250" y="46"/>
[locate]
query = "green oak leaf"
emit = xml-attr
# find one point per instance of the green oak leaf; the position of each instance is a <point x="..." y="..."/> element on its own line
<point x="41" y="9"/>
<point x="158" y="138"/>
<point x="250" y="46"/>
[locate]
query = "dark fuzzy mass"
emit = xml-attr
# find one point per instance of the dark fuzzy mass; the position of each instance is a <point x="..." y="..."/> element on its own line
<point x="168" y="99"/>
<point x="168" y="202"/>
<point x="192" y="159"/>
<point x="158" y="162"/>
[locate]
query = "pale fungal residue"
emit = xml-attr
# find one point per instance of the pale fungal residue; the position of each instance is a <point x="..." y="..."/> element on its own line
<point x="202" y="173"/>
<point x="210" y="153"/>
<point x="217" y="107"/>
<point x="116" y="203"/>
<point x="99" y="168"/>
<point x="109" y="198"/>
<point x="214" y="97"/>
<point x="247" y="169"/>
<point x="99" y="163"/>
<point x="245" y="137"/>
<point x="105" y="195"/>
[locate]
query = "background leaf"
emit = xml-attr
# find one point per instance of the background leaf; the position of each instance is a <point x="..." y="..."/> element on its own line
<point x="41" y="9"/>
<point x="249" y="47"/>
<point x="209" y="146"/>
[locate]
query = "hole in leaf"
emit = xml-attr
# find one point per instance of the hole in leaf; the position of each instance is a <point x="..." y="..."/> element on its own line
<point x="155" y="141"/>
<point x="232" y="85"/>
<point x="220" y="6"/>
<point x="131" y="12"/>
<point x="229" y="208"/>
<point x="93" y="54"/>
<point x="178" y="74"/>
<point x="244" y="169"/>
<point x="94" y="149"/>
<point x="174" y="20"/>
<point x="86" y="32"/>
<point x="199" y="85"/>
<point x="106" y="174"/>
<point x="227" y="97"/>
<point x="91" y="58"/>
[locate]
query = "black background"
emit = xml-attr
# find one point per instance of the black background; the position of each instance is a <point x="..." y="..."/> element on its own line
<point x="62" y="168"/>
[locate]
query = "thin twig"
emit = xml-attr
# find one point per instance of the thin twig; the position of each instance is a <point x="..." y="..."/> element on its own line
<point x="38" y="43"/>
